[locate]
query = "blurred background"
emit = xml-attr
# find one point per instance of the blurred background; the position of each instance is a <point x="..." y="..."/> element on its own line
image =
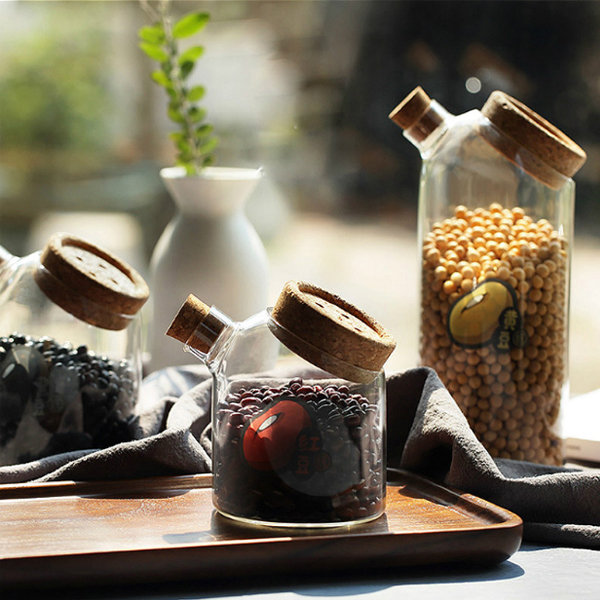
<point x="303" y="89"/>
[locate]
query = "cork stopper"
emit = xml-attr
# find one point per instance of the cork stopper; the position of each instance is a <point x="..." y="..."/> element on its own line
<point x="419" y="116"/>
<point x="551" y="156"/>
<point x="330" y="333"/>
<point x="411" y="109"/>
<point x="195" y="325"/>
<point x="90" y="283"/>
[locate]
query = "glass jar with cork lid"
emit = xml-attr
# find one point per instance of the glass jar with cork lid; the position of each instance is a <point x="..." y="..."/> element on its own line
<point x="298" y="410"/>
<point x="70" y="349"/>
<point x="496" y="205"/>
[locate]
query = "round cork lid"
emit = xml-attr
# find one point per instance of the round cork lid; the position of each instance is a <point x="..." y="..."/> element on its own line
<point x="329" y="332"/>
<point x="551" y="156"/>
<point x="90" y="283"/>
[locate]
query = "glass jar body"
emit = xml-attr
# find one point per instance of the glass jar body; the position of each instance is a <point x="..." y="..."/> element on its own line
<point x="65" y="385"/>
<point x="293" y="445"/>
<point x="495" y="261"/>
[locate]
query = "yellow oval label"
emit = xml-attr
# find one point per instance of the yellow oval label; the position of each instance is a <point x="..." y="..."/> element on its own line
<point x="488" y="314"/>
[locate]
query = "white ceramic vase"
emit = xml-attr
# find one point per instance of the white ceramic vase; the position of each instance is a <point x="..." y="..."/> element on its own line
<point x="209" y="249"/>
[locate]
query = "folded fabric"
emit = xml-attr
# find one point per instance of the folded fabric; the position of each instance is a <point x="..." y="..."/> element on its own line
<point x="426" y="433"/>
<point x="429" y="435"/>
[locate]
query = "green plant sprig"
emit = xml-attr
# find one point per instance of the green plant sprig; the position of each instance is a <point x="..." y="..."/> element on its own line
<point x="194" y="141"/>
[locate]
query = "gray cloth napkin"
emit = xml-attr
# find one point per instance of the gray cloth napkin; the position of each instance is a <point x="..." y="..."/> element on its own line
<point x="427" y="434"/>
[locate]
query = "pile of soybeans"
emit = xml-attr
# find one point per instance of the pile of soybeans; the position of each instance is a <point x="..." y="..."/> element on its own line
<point x="512" y="397"/>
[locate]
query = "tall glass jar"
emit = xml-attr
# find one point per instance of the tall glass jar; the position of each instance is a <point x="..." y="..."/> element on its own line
<point x="298" y="409"/>
<point x="70" y="349"/>
<point x="496" y="204"/>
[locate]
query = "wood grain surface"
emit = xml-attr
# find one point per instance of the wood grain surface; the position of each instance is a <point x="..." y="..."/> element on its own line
<point x="165" y="529"/>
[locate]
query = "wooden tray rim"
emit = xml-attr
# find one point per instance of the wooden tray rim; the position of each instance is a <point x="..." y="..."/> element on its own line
<point x="456" y="499"/>
<point x="498" y="535"/>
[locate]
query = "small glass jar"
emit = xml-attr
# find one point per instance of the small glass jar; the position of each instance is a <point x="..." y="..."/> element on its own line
<point x="496" y="206"/>
<point x="70" y="349"/>
<point x="298" y="409"/>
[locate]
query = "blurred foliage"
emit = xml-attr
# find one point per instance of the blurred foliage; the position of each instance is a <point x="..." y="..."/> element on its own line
<point x="54" y="86"/>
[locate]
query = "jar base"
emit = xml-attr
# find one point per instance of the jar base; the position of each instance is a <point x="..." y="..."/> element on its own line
<point x="297" y="525"/>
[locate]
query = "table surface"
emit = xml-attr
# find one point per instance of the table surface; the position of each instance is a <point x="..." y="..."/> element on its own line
<point x="533" y="572"/>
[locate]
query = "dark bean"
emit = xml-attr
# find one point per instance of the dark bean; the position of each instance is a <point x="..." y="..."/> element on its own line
<point x="311" y="397"/>
<point x="249" y="400"/>
<point x="59" y="375"/>
<point x="305" y="389"/>
<point x="348" y="448"/>
<point x="236" y="418"/>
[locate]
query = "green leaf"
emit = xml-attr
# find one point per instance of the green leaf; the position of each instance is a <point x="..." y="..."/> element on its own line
<point x="196" y="114"/>
<point x="204" y="130"/>
<point x="175" y="115"/>
<point x="186" y="68"/>
<point x="154" y="52"/>
<point x="185" y="154"/>
<point x="154" y="34"/>
<point x="161" y="78"/>
<point x="191" y="54"/>
<point x="196" y="93"/>
<point x="190" y="24"/>
<point x="177" y="136"/>
<point x="209" y="146"/>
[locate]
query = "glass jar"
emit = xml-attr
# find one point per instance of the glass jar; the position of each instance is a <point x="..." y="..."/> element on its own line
<point x="496" y="204"/>
<point x="70" y="351"/>
<point x="298" y="409"/>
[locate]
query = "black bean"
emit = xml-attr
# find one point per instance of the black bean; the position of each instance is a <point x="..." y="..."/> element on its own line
<point x="58" y="374"/>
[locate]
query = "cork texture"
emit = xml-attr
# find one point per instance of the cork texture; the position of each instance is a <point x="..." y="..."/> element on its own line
<point x="192" y="312"/>
<point x="90" y="282"/>
<point x="195" y="325"/>
<point x="551" y="157"/>
<point x="411" y="109"/>
<point x="333" y="330"/>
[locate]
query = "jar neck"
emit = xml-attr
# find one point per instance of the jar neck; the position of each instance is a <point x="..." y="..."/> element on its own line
<point x="430" y="126"/>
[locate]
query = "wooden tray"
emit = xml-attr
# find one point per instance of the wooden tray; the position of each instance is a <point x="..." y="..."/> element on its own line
<point x="165" y="529"/>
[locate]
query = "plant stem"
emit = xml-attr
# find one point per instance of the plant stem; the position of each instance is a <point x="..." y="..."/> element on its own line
<point x="178" y="86"/>
<point x="172" y="69"/>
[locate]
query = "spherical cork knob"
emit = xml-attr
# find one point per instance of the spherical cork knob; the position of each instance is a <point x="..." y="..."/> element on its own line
<point x="330" y="333"/>
<point x="551" y="156"/>
<point x="89" y="282"/>
<point x="195" y="325"/>
<point x="411" y="109"/>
